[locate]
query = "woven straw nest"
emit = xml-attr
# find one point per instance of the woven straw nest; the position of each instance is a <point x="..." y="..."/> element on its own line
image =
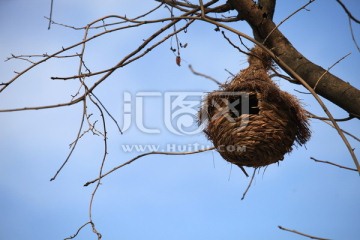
<point x="250" y="120"/>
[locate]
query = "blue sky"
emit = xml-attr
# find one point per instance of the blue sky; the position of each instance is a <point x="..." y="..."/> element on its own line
<point x="163" y="197"/>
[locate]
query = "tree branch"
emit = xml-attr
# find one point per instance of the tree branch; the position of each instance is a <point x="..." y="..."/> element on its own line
<point x="302" y="234"/>
<point x="180" y="6"/>
<point x="77" y="232"/>
<point x="204" y="75"/>
<point x="249" y="185"/>
<point x="348" y="12"/>
<point x="143" y="155"/>
<point x="334" y="164"/>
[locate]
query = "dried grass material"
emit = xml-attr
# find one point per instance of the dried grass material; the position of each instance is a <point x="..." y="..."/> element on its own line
<point x="264" y="131"/>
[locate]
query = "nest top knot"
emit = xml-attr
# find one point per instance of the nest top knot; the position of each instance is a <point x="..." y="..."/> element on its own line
<point x="258" y="58"/>
<point x="256" y="73"/>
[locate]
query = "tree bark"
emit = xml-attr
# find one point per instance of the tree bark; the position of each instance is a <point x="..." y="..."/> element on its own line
<point x="259" y="17"/>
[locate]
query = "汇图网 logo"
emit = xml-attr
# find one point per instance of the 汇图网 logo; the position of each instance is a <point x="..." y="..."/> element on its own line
<point x="179" y="110"/>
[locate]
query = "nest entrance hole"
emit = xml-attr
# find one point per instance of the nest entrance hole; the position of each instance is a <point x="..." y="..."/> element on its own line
<point x="237" y="108"/>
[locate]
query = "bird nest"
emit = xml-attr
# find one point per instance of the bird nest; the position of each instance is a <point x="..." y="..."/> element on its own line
<point x="250" y="120"/>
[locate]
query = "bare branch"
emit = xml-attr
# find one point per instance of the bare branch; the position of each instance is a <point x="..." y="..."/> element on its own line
<point x="224" y="19"/>
<point x="248" y="187"/>
<point x="51" y="13"/>
<point x="202" y="9"/>
<point x="302" y="92"/>
<point x="334" y="164"/>
<point x="78" y="231"/>
<point x="287" y="18"/>
<point x="338" y="61"/>
<point x="27" y="57"/>
<point x="327" y="121"/>
<point x="59" y="52"/>
<point x="108" y="24"/>
<point x="345" y="132"/>
<point x="233" y="44"/>
<point x="348" y="12"/>
<point x="100" y="171"/>
<point x="52" y="22"/>
<point x="73" y="145"/>
<point x="75" y="101"/>
<point x="143" y="155"/>
<point x="108" y="113"/>
<point x="287" y="78"/>
<point x="174" y="3"/>
<point x="302" y="234"/>
<point x="353" y="36"/>
<point x="204" y="75"/>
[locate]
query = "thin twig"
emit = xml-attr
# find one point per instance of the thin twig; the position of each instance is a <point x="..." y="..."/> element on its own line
<point x="75" y="101"/>
<point x="287" y="78"/>
<point x="345" y="132"/>
<point x="232" y="44"/>
<point x="73" y="145"/>
<point x="231" y="74"/>
<point x="26" y="57"/>
<point x="63" y="25"/>
<point x="57" y="53"/>
<point x="301" y="92"/>
<point x="244" y="171"/>
<point x="225" y="19"/>
<point x="202" y="8"/>
<point x="348" y="12"/>
<point x="242" y="43"/>
<point x="103" y="20"/>
<point x="231" y="165"/>
<point x="302" y="234"/>
<point x="330" y="124"/>
<point x="353" y="35"/>
<point x="277" y="26"/>
<point x="327" y="119"/>
<point x="143" y="155"/>
<point x="338" y="61"/>
<point x="178" y="58"/>
<point x="184" y="7"/>
<point x="204" y="75"/>
<point x="100" y="171"/>
<point x="248" y="187"/>
<point x="108" y="113"/>
<point x="174" y="3"/>
<point x="334" y="164"/>
<point x="51" y="13"/>
<point x="77" y="232"/>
